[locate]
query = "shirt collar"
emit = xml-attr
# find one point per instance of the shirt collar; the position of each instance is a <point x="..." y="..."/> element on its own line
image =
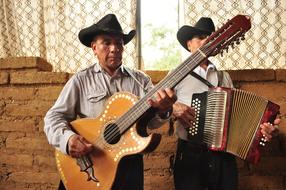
<point x="97" y="68"/>
<point x="124" y="70"/>
<point x="120" y="70"/>
<point x="210" y="67"/>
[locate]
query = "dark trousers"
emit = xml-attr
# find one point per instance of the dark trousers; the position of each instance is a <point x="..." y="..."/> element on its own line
<point x="196" y="168"/>
<point x="129" y="174"/>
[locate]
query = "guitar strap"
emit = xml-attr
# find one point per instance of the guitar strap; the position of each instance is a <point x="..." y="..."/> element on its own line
<point x="132" y="75"/>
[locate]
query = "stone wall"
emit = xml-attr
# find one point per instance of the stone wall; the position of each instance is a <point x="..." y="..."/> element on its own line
<point x="28" y="88"/>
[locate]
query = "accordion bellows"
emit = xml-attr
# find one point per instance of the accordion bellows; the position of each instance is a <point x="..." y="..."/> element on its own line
<point x="229" y="119"/>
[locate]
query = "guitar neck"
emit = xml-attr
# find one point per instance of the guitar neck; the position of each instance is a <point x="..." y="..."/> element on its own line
<point x="170" y="81"/>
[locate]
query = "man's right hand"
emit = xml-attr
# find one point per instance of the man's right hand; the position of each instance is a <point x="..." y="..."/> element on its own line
<point x="78" y="146"/>
<point x="185" y="114"/>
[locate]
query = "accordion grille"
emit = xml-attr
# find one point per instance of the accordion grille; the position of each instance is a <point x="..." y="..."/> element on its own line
<point x="246" y="114"/>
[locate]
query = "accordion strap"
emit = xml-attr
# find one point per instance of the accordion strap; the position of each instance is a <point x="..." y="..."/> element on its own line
<point x="202" y="79"/>
<point x="219" y="77"/>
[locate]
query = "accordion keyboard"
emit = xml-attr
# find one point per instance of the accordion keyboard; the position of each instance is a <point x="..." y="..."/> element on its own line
<point x="210" y="117"/>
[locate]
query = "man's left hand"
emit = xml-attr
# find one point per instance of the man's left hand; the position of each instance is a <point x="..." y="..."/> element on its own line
<point x="164" y="100"/>
<point x="268" y="130"/>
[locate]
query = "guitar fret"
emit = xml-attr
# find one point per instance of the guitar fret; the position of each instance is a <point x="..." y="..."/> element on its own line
<point x="216" y="42"/>
<point x="133" y="114"/>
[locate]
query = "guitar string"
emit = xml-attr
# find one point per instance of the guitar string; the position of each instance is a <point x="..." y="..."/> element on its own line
<point x="113" y="133"/>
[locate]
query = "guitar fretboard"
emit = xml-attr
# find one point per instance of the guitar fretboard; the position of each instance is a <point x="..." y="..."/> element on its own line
<point x="170" y="81"/>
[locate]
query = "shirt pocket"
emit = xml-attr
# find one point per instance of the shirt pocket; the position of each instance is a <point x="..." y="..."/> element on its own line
<point x="96" y="96"/>
<point x="95" y="102"/>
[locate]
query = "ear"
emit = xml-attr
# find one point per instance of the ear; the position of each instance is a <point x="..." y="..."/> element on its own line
<point x="189" y="44"/>
<point x="93" y="46"/>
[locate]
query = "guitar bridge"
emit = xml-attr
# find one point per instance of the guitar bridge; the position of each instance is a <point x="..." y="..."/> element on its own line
<point x="85" y="165"/>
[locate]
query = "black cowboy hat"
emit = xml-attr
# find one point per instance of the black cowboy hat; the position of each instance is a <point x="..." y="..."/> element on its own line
<point x="204" y="26"/>
<point x="107" y="25"/>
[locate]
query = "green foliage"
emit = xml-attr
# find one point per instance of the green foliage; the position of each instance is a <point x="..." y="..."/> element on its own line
<point x="166" y="48"/>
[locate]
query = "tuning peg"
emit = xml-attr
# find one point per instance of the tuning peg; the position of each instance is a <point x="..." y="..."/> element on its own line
<point x="237" y="42"/>
<point x="232" y="45"/>
<point x="242" y="37"/>
<point x="226" y="49"/>
<point x="221" y="53"/>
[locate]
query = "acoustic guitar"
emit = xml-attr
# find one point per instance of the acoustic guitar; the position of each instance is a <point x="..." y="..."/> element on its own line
<point x="114" y="133"/>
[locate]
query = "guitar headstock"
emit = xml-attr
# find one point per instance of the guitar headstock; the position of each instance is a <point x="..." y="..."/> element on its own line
<point x="229" y="34"/>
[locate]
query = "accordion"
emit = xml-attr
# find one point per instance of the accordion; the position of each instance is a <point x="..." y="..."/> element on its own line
<point x="228" y="120"/>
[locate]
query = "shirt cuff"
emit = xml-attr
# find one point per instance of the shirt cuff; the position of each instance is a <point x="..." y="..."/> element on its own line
<point x="64" y="141"/>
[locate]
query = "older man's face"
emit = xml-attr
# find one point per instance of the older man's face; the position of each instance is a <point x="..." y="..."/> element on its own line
<point x="108" y="49"/>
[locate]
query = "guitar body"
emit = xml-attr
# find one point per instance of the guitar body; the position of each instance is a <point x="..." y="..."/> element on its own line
<point x="107" y="155"/>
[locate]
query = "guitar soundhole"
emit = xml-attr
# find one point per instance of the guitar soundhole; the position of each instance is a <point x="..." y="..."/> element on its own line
<point x="112" y="133"/>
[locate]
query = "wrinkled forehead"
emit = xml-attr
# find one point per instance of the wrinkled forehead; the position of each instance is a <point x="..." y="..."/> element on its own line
<point x="109" y="37"/>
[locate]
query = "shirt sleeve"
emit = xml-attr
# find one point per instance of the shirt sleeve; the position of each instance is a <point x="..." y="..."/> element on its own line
<point x="57" y="119"/>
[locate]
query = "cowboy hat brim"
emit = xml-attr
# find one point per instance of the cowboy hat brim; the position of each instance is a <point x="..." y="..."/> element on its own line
<point x="186" y="33"/>
<point x="86" y="35"/>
